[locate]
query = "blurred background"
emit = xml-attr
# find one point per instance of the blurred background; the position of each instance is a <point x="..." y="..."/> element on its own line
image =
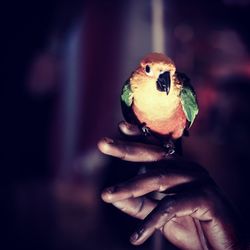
<point x="63" y="68"/>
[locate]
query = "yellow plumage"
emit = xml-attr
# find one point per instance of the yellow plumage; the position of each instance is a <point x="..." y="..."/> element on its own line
<point x="162" y="113"/>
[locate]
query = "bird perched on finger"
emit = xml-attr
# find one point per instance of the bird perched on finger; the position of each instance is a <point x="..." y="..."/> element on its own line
<point x="159" y="99"/>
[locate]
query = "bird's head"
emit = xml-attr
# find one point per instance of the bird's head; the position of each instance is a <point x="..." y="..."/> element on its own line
<point x="157" y="69"/>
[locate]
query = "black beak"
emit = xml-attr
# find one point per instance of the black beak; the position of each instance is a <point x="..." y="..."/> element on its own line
<point x="163" y="82"/>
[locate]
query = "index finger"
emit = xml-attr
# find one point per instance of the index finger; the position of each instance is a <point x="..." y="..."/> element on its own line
<point x="131" y="151"/>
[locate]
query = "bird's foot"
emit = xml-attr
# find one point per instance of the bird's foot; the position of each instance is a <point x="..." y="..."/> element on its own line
<point x="170" y="147"/>
<point x="145" y="130"/>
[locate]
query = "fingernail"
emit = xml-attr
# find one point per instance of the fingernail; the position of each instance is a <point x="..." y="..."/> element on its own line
<point x="134" y="237"/>
<point x="108" y="140"/>
<point x="127" y="125"/>
<point x="110" y="190"/>
<point x="107" y="194"/>
<point x="140" y="231"/>
<point x="123" y="126"/>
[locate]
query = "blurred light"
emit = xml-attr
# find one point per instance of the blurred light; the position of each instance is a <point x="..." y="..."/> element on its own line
<point x="230" y="54"/>
<point x="70" y="102"/>
<point x="43" y="74"/>
<point x="184" y="33"/>
<point x="229" y="42"/>
<point x="158" y="39"/>
<point x="90" y="162"/>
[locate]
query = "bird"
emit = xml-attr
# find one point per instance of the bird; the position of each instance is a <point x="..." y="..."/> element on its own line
<point x="160" y="100"/>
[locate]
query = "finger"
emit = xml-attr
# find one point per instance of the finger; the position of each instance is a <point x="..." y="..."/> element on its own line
<point x="131" y="151"/>
<point x="136" y="207"/>
<point x="158" y="180"/>
<point x="193" y="204"/>
<point x="129" y="129"/>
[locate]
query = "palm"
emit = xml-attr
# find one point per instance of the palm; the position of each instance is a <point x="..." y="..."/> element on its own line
<point x="182" y="232"/>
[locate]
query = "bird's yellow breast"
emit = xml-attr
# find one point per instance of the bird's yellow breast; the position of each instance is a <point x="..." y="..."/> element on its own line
<point x="157" y="109"/>
<point x="153" y="103"/>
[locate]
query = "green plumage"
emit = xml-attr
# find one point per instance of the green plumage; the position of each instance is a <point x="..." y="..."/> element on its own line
<point x="189" y="104"/>
<point x="187" y="96"/>
<point x="127" y="95"/>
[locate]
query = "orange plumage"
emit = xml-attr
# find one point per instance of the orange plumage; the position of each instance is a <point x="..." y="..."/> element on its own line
<point x="160" y="112"/>
<point x="159" y="98"/>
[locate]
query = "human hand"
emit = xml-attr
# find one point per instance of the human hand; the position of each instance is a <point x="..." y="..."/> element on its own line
<point x="192" y="215"/>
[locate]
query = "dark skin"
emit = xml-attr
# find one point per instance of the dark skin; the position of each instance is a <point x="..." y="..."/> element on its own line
<point x="192" y="214"/>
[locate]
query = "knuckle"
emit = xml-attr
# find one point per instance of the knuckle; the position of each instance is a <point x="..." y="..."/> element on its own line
<point x="168" y="207"/>
<point x="207" y="203"/>
<point x="162" y="181"/>
<point x="124" y="153"/>
<point x="140" y="207"/>
<point x="165" y="214"/>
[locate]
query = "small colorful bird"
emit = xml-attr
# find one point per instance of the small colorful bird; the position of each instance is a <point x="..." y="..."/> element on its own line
<point x="159" y="99"/>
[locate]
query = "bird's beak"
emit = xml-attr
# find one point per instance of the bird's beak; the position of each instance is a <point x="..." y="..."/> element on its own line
<point x="163" y="82"/>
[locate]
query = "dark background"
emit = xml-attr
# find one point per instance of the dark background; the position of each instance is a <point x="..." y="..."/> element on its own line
<point x="63" y="64"/>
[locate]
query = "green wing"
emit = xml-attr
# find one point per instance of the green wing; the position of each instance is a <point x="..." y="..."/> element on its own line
<point x="188" y="99"/>
<point x="189" y="104"/>
<point x="127" y="94"/>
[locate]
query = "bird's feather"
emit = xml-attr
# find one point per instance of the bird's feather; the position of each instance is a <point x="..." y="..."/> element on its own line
<point x="127" y="103"/>
<point x="188" y="98"/>
<point x="127" y="94"/>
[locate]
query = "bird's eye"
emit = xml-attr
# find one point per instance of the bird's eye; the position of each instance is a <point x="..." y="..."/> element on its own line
<point x="148" y="70"/>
